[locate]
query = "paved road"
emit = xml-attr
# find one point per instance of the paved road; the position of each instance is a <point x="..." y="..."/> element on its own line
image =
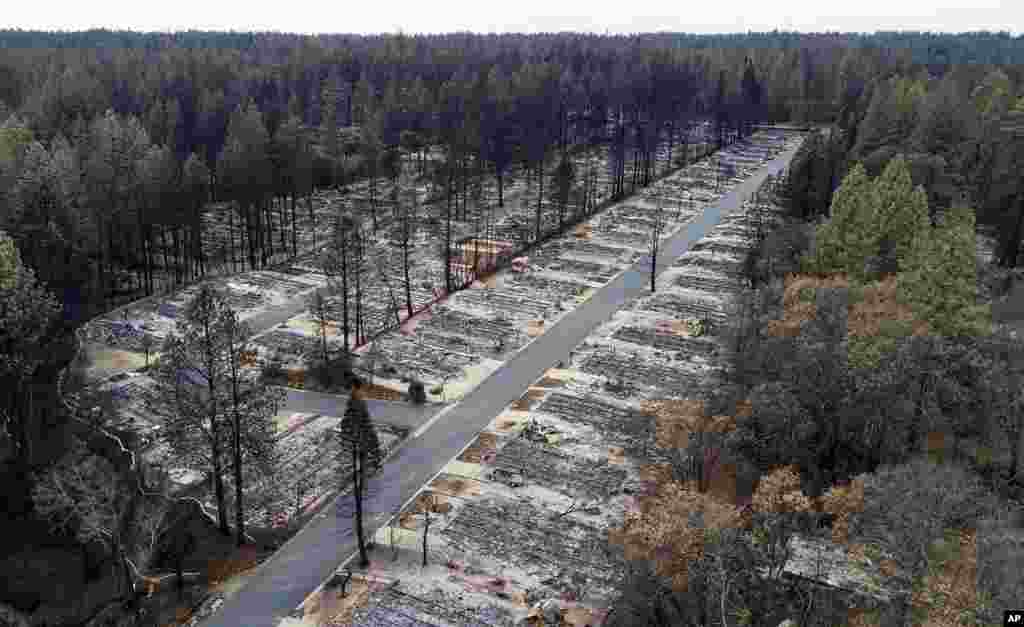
<point x="396" y="413"/>
<point x="283" y="581"/>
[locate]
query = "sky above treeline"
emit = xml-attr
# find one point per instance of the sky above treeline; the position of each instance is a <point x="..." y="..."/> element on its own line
<point x="522" y="16"/>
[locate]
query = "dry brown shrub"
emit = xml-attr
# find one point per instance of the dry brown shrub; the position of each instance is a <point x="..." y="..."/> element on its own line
<point x="880" y="303"/>
<point x="779" y="492"/>
<point x="950" y="590"/>
<point x="797" y="311"/>
<point x="661" y="531"/>
<point x="677" y="418"/>
<point x="858" y="617"/>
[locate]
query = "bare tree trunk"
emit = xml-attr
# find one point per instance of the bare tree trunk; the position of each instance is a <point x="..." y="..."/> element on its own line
<point x="231" y="239"/>
<point x="359" y="260"/>
<point x="357" y="492"/>
<point x="163" y="244"/>
<point x="540" y="196"/>
<point x="426" y="529"/>
<point x="218" y="480"/>
<point x="448" y="243"/>
<point x="282" y="220"/>
<point x="501" y="189"/>
<point x="344" y="287"/>
<point x="295" y="245"/>
<point x="236" y="448"/>
<point x="408" y="279"/>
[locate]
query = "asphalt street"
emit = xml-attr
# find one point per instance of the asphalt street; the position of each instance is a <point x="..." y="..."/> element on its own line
<point x="281" y="583"/>
<point x="397" y="413"/>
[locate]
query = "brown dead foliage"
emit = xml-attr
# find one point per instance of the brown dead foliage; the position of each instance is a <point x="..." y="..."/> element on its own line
<point x="676" y="419"/>
<point x="858" y="617"/>
<point x="950" y="589"/>
<point x="483" y="444"/>
<point x="796" y="307"/>
<point x="881" y="303"/>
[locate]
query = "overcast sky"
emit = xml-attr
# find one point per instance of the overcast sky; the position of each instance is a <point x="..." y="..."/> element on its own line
<point x="419" y="16"/>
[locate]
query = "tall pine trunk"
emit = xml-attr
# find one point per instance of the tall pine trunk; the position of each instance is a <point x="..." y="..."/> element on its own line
<point x="218" y="479"/>
<point x="231" y="240"/>
<point x="344" y="288"/>
<point x="358" y="479"/>
<point x="540" y="196"/>
<point x="405" y="267"/>
<point x="501" y="188"/>
<point x="163" y="246"/>
<point x="448" y="239"/>
<point x="295" y="240"/>
<point x="236" y="450"/>
<point x="357" y="275"/>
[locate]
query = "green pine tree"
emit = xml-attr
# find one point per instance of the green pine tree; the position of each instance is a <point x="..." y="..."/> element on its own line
<point x="901" y="211"/>
<point x="843" y="242"/>
<point x="939" y="279"/>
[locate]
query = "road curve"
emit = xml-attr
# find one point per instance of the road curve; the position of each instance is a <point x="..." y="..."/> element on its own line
<point x="281" y="583"/>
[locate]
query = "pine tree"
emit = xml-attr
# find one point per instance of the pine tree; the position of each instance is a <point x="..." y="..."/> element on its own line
<point x="848" y="238"/>
<point x="360" y="445"/>
<point x="901" y="210"/>
<point x="28" y="315"/>
<point x="190" y="377"/>
<point x="253" y="406"/>
<point x="939" y="279"/>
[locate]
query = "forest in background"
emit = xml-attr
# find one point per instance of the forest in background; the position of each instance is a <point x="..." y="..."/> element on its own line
<point x="91" y="196"/>
<point x="113" y="145"/>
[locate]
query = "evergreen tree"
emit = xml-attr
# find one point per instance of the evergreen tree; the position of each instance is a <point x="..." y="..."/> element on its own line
<point x="849" y="237"/>
<point x="900" y="209"/>
<point x="939" y="279"/>
<point x="360" y="450"/>
<point x="191" y="377"/>
<point x="28" y="315"/>
<point x="253" y="406"/>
